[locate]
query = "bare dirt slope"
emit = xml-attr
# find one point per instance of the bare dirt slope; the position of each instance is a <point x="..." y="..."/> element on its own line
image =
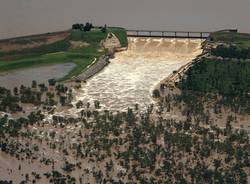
<point x="17" y="44"/>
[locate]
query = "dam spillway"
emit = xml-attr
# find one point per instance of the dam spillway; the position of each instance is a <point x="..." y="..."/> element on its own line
<point x="131" y="76"/>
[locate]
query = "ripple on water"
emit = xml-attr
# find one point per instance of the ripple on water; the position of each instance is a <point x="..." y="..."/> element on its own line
<point x="131" y="76"/>
<point x="40" y="74"/>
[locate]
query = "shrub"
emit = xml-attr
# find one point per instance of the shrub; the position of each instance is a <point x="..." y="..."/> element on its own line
<point x="156" y="93"/>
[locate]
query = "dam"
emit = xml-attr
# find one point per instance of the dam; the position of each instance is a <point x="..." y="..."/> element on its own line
<point x="132" y="75"/>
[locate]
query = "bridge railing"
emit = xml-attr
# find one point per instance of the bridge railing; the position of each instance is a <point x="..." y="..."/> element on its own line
<point x="168" y="34"/>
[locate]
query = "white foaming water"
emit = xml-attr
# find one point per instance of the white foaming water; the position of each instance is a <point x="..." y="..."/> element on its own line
<point x="131" y="76"/>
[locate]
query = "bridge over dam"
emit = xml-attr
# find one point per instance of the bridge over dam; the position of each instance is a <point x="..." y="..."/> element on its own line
<point x="168" y="34"/>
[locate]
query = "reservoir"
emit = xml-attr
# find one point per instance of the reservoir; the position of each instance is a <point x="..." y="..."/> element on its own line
<point x="25" y="17"/>
<point x="41" y="74"/>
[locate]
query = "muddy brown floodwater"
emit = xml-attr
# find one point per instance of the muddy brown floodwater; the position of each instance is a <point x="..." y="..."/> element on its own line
<point x="131" y="76"/>
<point x="41" y="74"/>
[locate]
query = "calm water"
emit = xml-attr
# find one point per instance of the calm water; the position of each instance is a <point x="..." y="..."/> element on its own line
<point x="40" y="74"/>
<point x="131" y="76"/>
<point x="23" y="17"/>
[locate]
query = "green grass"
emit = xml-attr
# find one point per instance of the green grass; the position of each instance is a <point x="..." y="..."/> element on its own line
<point x="61" y="52"/>
<point x="245" y="43"/>
<point x="241" y="39"/>
<point x="93" y="37"/>
<point x="33" y="61"/>
<point x="121" y="35"/>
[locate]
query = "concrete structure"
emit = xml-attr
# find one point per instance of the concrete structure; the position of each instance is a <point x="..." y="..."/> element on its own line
<point x="168" y="34"/>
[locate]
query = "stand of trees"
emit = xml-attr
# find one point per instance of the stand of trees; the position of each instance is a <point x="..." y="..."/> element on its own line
<point x="225" y="77"/>
<point x="11" y="101"/>
<point x="231" y="51"/>
<point x="87" y="27"/>
<point x="132" y="147"/>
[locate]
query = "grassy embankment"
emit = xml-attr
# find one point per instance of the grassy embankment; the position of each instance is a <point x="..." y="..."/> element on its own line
<point x="225" y="75"/>
<point x="240" y="39"/>
<point x="121" y="35"/>
<point x="61" y="51"/>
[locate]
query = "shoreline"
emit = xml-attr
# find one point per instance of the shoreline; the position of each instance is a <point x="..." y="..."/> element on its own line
<point x="97" y="67"/>
<point x="171" y="79"/>
<point x="103" y="61"/>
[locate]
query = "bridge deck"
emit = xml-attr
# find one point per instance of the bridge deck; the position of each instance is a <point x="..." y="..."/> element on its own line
<point x="168" y="34"/>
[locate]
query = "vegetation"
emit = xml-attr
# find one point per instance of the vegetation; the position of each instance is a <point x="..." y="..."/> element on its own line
<point x="232" y="45"/>
<point x="227" y="77"/>
<point x="121" y="35"/>
<point x="130" y="147"/>
<point x="156" y="93"/>
<point x="231" y="51"/>
<point x="134" y="146"/>
<point x="38" y="95"/>
<point x="242" y="39"/>
<point x="62" y="51"/>
<point x="87" y="27"/>
<point x="226" y="72"/>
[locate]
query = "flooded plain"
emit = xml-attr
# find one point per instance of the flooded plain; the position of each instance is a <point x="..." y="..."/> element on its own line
<point x="131" y="76"/>
<point x="41" y="74"/>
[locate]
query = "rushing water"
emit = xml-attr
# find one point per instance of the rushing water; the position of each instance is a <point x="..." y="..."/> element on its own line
<point x="40" y="74"/>
<point x="131" y="76"/>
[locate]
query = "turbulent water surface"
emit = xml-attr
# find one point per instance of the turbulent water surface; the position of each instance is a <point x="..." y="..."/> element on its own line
<point x="131" y="76"/>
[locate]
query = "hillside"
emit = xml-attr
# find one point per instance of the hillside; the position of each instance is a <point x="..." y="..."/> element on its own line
<point x="215" y="87"/>
<point x="74" y="46"/>
<point x="225" y="71"/>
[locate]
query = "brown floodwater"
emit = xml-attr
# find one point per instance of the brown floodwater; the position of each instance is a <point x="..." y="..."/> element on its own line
<point x="41" y="74"/>
<point x="130" y="78"/>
